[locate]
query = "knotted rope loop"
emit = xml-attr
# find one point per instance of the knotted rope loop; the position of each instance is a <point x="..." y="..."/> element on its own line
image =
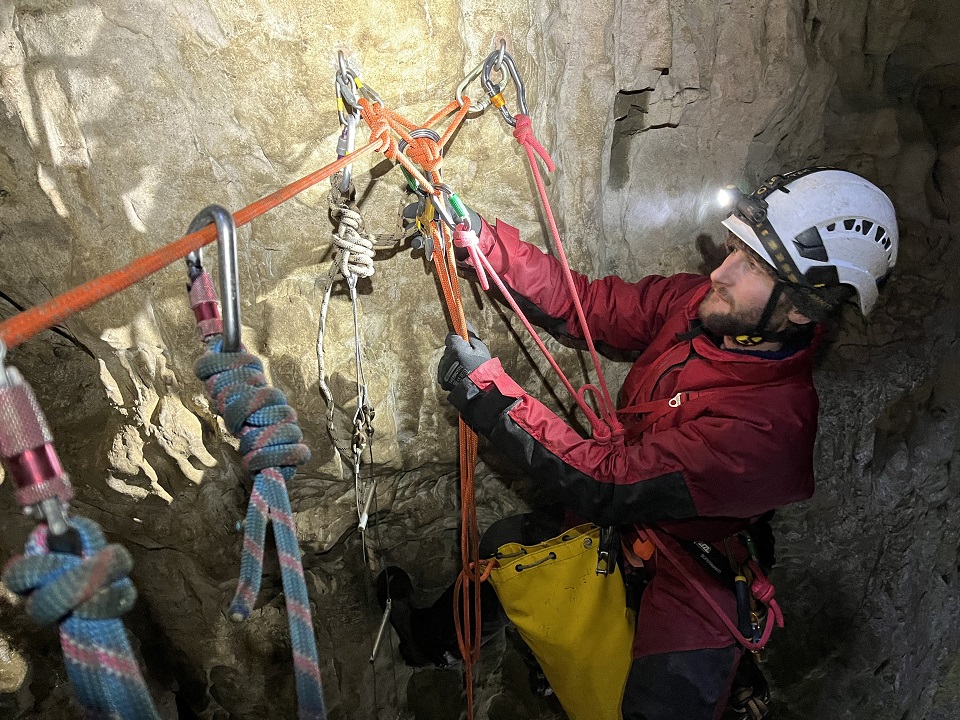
<point x="465" y="237"/>
<point x="764" y="591"/>
<point x="56" y="585"/>
<point x="377" y="118"/>
<point x="354" y="248"/>
<point x="270" y="444"/>
<point x="253" y="411"/>
<point x="86" y="595"/>
<point x="523" y="132"/>
<point x="426" y="152"/>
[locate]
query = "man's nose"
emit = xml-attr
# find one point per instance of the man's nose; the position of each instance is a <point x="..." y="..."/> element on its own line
<point x="725" y="274"/>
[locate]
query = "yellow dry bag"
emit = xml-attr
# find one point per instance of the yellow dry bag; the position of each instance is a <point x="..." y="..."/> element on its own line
<point x="575" y="621"/>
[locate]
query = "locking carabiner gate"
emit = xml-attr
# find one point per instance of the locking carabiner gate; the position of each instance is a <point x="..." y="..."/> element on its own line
<point x="498" y="58"/>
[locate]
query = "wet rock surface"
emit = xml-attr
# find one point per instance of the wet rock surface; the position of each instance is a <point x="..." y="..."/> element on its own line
<point x="122" y="120"/>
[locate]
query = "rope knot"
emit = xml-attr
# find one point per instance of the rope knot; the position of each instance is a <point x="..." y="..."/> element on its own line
<point x="426" y="152"/>
<point x="465" y="237"/>
<point x="270" y="444"/>
<point x="355" y="253"/>
<point x="762" y="589"/>
<point x="57" y="585"/>
<point x="523" y="132"/>
<point x="377" y="119"/>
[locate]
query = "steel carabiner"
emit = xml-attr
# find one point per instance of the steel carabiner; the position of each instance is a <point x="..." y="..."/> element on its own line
<point x="346" y="145"/>
<point x="228" y="267"/>
<point x="498" y="58"/>
<point x="484" y="103"/>
<point x="350" y="87"/>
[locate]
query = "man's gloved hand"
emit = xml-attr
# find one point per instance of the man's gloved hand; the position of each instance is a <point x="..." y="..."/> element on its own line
<point x="460" y="359"/>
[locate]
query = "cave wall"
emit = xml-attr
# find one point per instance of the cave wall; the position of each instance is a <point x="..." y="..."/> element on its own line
<point x="121" y="120"/>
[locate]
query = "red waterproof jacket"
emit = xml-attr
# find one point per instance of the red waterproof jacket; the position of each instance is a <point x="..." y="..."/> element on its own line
<point x="739" y="445"/>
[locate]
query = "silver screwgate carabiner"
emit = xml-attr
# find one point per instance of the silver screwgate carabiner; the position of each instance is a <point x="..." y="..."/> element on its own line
<point x="483" y="103"/>
<point x="350" y="87"/>
<point x="498" y="58"/>
<point x="228" y="266"/>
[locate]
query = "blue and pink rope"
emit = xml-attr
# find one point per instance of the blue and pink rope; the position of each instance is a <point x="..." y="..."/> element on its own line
<point x="270" y="443"/>
<point x="86" y="594"/>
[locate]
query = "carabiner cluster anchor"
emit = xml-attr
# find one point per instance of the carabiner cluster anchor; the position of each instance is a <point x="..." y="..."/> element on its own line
<point x="497" y="59"/>
<point x="202" y="296"/>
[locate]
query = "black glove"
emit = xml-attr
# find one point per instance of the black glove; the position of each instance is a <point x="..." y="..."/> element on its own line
<point x="460" y="359"/>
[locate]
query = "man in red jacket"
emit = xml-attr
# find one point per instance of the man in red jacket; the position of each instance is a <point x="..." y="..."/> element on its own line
<point x="729" y="357"/>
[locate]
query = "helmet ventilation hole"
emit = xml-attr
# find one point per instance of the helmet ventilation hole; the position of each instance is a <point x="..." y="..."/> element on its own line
<point x="883" y="240"/>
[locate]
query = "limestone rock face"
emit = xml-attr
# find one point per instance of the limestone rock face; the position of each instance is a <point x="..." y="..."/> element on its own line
<point x="119" y="121"/>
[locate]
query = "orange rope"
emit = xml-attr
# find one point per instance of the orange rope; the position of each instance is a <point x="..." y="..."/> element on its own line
<point x="423" y="151"/>
<point x="428" y="153"/>
<point x="467" y="593"/>
<point x="25" y="325"/>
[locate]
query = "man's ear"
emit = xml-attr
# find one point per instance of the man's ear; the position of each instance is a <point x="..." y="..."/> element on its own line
<point x="797" y="317"/>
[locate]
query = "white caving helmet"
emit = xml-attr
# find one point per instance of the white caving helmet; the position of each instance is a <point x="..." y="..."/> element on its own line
<point x="820" y="228"/>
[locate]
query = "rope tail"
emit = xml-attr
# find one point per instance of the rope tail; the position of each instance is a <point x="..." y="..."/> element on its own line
<point x="270" y="442"/>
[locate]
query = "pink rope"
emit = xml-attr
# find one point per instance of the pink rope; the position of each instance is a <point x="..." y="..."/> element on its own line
<point x="524" y="136"/>
<point x="762" y="589"/>
<point x="468" y="239"/>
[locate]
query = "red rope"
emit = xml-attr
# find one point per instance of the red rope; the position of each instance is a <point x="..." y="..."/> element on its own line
<point x="524" y="136"/>
<point x="483" y="267"/>
<point x="762" y="589"/>
<point x="25" y="325"/>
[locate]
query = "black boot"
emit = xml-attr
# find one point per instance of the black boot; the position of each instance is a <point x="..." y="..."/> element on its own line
<point x="420" y="633"/>
<point x="750" y="694"/>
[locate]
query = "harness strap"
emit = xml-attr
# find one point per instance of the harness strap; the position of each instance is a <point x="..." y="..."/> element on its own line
<point x="762" y="589"/>
<point x="656" y="409"/>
